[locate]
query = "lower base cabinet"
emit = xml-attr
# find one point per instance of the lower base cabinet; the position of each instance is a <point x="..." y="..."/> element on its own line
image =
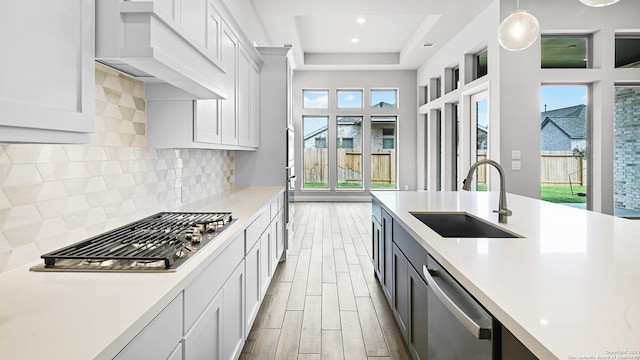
<point x="233" y="314"/>
<point x="203" y="340"/>
<point x="418" y="319"/>
<point x="160" y="338"/>
<point x="410" y="304"/>
<point x="217" y="309"/>
<point x="400" y="291"/>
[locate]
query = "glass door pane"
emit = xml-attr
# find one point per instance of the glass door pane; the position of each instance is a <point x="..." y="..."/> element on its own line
<point x="316" y="155"/>
<point x="563" y="136"/>
<point x="480" y="135"/>
<point x="349" y="152"/>
<point x="383" y="152"/>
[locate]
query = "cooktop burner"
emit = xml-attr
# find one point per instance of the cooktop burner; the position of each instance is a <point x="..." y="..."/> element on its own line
<point x="161" y="242"/>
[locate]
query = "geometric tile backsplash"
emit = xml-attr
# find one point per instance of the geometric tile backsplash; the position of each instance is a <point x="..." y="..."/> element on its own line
<point x="55" y="195"/>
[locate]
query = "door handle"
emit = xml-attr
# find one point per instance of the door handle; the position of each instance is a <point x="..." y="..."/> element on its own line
<point x="480" y="331"/>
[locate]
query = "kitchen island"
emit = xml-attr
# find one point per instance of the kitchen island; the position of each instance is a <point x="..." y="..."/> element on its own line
<point x="567" y="289"/>
<point x="72" y="315"/>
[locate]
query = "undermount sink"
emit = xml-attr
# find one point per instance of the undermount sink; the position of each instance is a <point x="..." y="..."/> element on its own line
<point x="461" y="225"/>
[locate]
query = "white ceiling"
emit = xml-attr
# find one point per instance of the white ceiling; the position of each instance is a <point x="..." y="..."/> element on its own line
<point x="321" y="31"/>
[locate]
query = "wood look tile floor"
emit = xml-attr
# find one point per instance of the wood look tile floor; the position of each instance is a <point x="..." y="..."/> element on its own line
<point x="324" y="302"/>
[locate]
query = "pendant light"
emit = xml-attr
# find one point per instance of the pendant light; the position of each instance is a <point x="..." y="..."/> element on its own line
<point x="599" y="3"/>
<point x="518" y="30"/>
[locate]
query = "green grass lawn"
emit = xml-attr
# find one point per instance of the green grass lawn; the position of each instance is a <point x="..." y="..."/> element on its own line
<point x="348" y="185"/>
<point x="383" y="186"/>
<point x="562" y="193"/>
<point x="311" y="185"/>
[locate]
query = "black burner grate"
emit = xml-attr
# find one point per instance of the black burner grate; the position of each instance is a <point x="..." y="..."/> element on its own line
<point x="156" y="238"/>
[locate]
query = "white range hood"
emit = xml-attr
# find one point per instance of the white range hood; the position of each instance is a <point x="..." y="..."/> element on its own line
<point x="142" y="40"/>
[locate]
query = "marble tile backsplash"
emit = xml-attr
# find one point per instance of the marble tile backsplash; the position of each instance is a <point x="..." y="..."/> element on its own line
<point x="55" y="195"/>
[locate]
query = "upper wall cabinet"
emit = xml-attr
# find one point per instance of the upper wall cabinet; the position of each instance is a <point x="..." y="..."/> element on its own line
<point x="47" y="71"/>
<point x="232" y="123"/>
<point x="171" y="44"/>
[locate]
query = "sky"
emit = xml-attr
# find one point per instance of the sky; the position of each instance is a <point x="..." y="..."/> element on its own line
<point x="558" y="97"/>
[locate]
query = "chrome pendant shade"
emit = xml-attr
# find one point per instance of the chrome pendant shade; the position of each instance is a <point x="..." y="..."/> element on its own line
<point x="599" y="3"/>
<point x="518" y="31"/>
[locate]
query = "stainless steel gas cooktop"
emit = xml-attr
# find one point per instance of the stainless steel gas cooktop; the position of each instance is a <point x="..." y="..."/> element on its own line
<point x="158" y="243"/>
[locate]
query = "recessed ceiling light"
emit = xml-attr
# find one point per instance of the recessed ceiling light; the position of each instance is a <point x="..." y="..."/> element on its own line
<point x="361" y="20"/>
<point x="355" y="40"/>
<point x="428" y="45"/>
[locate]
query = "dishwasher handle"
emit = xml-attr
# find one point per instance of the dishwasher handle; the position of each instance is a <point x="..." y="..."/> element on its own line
<point x="480" y="331"/>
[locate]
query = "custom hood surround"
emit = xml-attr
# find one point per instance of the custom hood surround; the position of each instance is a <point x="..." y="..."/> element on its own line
<point x="158" y="46"/>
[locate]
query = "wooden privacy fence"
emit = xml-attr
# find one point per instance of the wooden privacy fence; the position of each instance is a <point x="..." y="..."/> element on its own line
<point x="316" y="166"/>
<point x="558" y="168"/>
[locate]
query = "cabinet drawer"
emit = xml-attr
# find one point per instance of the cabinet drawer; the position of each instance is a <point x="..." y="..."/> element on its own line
<point x="200" y="292"/>
<point x="276" y="205"/>
<point x="257" y="227"/>
<point x="159" y="339"/>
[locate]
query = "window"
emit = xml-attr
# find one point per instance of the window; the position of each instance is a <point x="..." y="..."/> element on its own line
<point x="626" y="159"/>
<point x="345" y="143"/>
<point x="315" y="99"/>
<point x="481" y="64"/>
<point x="481" y="136"/>
<point x="564" y="51"/>
<point x="349" y="99"/>
<point x="315" y="158"/>
<point x="349" y="152"/>
<point x="455" y="78"/>
<point x="388" y="138"/>
<point x="383" y="152"/>
<point x="563" y="144"/>
<point x="384" y="99"/>
<point x="628" y="51"/>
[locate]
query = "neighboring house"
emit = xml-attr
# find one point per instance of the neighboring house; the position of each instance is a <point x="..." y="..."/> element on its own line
<point x="564" y="129"/>
<point x="383" y="105"/>
<point x="350" y="134"/>
<point x="481" y="137"/>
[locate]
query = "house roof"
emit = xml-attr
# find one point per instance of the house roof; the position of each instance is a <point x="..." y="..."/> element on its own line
<point x="571" y="120"/>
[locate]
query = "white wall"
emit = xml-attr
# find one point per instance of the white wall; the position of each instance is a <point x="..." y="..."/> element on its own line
<point x="515" y="78"/>
<point x="404" y="81"/>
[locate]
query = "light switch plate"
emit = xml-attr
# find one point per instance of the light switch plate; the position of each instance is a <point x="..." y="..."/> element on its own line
<point x="516" y="155"/>
<point x="516" y="165"/>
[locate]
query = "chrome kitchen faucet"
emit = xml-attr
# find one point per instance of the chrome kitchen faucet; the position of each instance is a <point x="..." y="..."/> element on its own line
<point x="502" y="211"/>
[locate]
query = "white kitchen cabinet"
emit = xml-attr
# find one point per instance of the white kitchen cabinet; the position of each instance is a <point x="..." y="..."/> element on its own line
<point x="159" y="339"/>
<point x="225" y="124"/>
<point x="47" y="70"/>
<point x="265" y="268"/>
<point x="277" y="239"/>
<point x="254" y="113"/>
<point x="211" y="280"/>
<point x="183" y="124"/>
<point x="253" y="288"/>
<point x="229" y="53"/>
<point x="177" y="353"/>
<point x="193" y="18"/>
<point x="203" y="341"/>
<point x="244" y="97"/>
<point x="233" y="314"/>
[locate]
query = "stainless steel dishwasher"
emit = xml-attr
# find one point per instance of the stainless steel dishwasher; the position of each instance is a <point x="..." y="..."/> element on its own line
<point x="459" y="328"/>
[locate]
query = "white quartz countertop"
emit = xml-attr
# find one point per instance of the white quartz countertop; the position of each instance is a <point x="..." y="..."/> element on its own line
<point x="53" y="315"/>
<point x="570" y="289"/>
